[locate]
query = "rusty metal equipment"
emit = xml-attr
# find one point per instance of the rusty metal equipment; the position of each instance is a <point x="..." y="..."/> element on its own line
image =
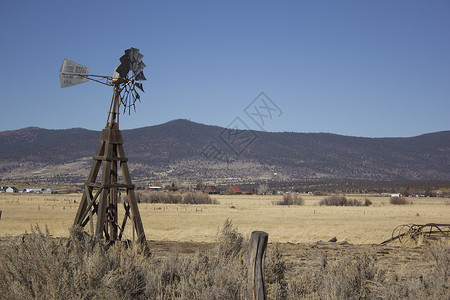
<point x="102" y="198"/>
<point x="415" y="234"/>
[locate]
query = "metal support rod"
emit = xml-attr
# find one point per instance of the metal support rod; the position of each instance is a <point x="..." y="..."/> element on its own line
<point x="113" y="113"/>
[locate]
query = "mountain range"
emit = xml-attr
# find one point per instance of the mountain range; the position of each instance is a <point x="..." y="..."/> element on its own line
<point x="192" y="151"/>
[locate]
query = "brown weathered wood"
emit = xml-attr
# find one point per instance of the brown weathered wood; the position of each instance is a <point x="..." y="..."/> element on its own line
<point x="109" y="155"/>
<point x="125" y="218"/>
<point x="91" y="179"/>
<point x="91" y="222"/>
<point x="109" y="158"/>
<point x="81" y="210"/>
<point x="257" y="248"/>
<point x="101" y="214"/>
<point x="116" y="185"/>
<point x="92" y="200"/>
<point x="136" y="217"/>
<point x="113" y="195"/>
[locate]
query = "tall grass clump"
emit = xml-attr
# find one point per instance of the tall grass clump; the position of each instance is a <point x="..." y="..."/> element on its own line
<point x="335" y="200"/>
<point x="399" y="201"/>
<point x="346" y="278"/>
<point x="38" y="266"/>
<point x="290" y="199"/>
<point x="363" y="277"/>
<point x="198" y="198"/>
<point x="158" y="197"/>
<point x="173" y="198"/>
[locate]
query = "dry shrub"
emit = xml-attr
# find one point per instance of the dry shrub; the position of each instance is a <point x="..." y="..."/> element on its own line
<point x="346" y="278"/>
<point x="399" y="201"/>
<point x="37" y="266"/>
<point x="361" y="277"/>
<point x="275" y="274"/>
<point x="290" y="199"/>
<point x="172" y="198"/>
<point x="198" y="198"/>
<point x="335" y="200"/>
<point x="158" y="197"/>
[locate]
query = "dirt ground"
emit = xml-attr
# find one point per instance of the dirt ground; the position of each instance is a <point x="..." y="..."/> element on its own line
<point x="395" y="260"/>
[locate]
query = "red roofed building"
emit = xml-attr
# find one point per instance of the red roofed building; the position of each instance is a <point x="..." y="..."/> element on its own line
<point x="233" y="190"/>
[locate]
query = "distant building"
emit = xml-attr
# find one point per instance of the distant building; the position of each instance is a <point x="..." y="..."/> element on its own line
<point x="11" y="189"/>
<point x="50" y="191"/>
<point x="395" y="195"/>
<point x="33" y="190"/>
<point x="212" y="190"/>
<point x="153" y="188"/>
<point x="233" y="190"/>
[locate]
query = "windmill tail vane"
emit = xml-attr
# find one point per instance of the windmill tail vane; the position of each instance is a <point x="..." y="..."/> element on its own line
<point x="126" y="80"/>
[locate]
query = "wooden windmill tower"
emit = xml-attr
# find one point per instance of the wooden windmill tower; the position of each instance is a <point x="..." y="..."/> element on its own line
<point x="102" y="195"/>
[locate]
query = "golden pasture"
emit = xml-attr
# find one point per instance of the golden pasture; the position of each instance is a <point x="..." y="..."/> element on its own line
<point x="198" y="223"/>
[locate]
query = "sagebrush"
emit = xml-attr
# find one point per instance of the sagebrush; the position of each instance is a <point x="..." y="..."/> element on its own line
<point x="290" y="199"/>
<point x="335" y="200"/>
<point x="37" y="266"/>
<point x="399" y="201"/>
<point x="173" y="198"/>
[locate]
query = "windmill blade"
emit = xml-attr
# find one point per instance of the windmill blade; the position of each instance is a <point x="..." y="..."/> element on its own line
<point x="139" y="57"/>
<point x="130" y="61"/>
<point x="139" y="86"/>
<point x="140" y="77"/>
<point x="133" y="54"/>
<point x="138" y="67"/>
<point x="72" y="73"/>
<point x="124" y="66"/>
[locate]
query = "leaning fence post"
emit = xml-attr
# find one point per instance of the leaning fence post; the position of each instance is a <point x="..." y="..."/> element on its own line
<point x="257" y="247"/>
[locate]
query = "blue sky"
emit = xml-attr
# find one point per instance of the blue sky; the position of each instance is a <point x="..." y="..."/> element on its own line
<point x="360" y="68"/>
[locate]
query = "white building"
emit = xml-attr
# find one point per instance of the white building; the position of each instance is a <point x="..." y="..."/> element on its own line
<point x="33" y="190"/>
<point x="50" y="191"/>
<point x="11" y="189"/>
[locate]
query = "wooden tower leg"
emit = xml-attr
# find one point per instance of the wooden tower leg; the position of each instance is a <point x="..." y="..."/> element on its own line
<point x="89" y="183"/>
<point x="135" y="215"/>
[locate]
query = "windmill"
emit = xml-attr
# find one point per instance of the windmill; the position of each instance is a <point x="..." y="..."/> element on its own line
<point x="102" y="198"/>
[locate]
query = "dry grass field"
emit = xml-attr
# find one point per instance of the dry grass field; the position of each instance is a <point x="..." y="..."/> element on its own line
<point x="189" y="245"/>
<point x="198" y="223"/>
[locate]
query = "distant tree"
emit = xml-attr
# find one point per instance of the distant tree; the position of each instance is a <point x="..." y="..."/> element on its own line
<point x="254" y="190"/>
<point x="406" y="192"/>
<point x="263" y="188"/>
<point x="173" y="187"/>
<point x="200" y="186"/>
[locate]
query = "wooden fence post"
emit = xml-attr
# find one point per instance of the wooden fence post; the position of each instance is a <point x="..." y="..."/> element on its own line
<point x="257" y="247"/>
<point x="0" y="214"/>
